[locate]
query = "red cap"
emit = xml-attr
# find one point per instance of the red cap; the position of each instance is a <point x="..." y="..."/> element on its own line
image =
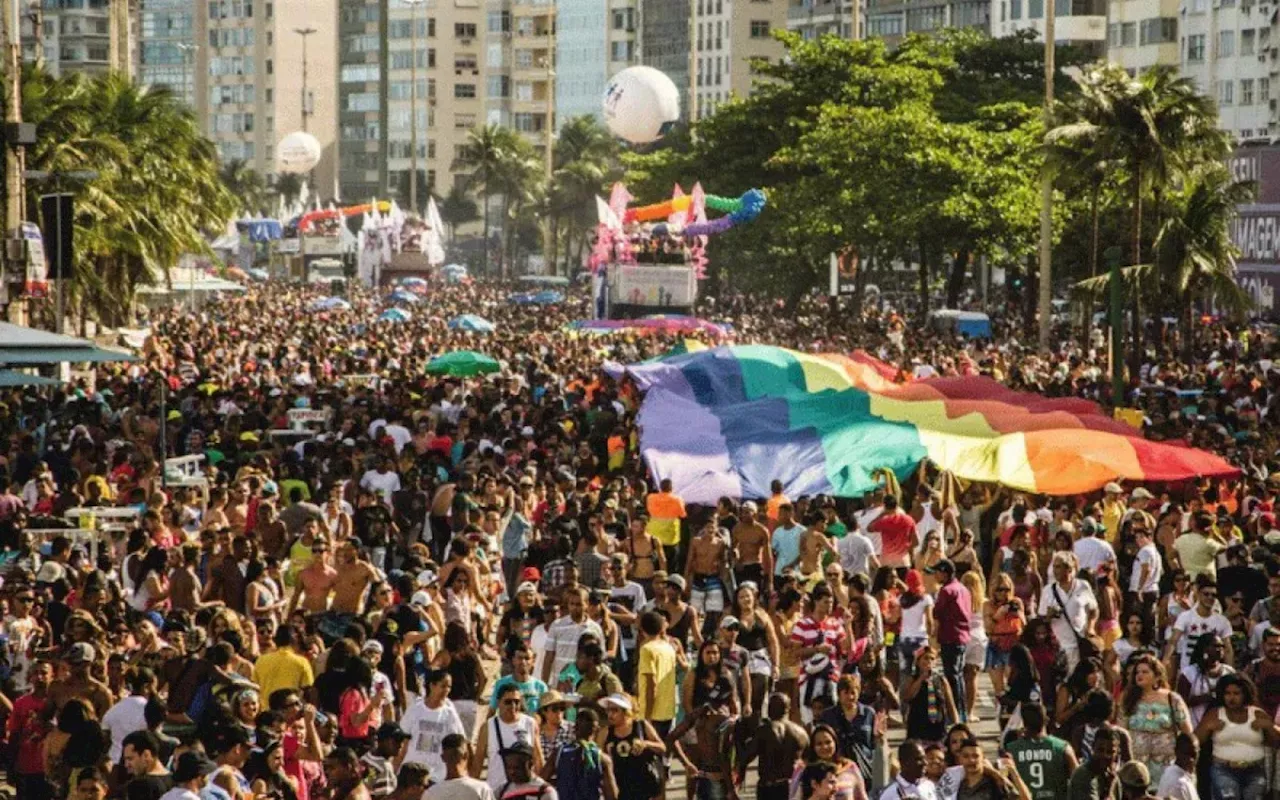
<point x="530" y="574"/>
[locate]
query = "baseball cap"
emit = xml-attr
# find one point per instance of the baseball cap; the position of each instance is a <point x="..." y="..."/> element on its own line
<point x="80" y="653"/>
<point x="617" y="701"/>
<point x="1134" y="775"/>
<point x="1113" y="488"/>
<point x="1141" y="493"/>
<point x="392" y="730"/>
<point x="750" y="506"/>
<point x="420" y="599"/>
<point x="372" y="646"/>
<point x="677" y="580"/>
<point x="192" y="765"/>
<point x="527" y="586"/>
<point x="730" y="621"/>
<point x="532" y="574"/>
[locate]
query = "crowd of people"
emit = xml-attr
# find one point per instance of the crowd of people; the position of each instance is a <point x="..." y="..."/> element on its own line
<point x="388" y="584"/>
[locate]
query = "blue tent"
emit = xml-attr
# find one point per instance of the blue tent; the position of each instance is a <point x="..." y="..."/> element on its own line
<point x="471" y="322"/>
<point x="544" y="298"/>
<point x="399" y="296"/>
<point x="453" y="273"/>
<point x="395" y="315"/>
<point x="332" y="304"/>
<point x="413" y="281"/>
<point x="260" y="230"/>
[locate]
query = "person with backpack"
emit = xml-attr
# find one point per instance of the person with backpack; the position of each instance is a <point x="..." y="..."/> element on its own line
<point x="519" y="781"/>
<point x="580" y="769"/>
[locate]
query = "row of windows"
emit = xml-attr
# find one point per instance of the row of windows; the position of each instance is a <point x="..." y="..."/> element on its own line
<point x="239" y="93"/>
<point x="233" y="9"/>
<point x="233" y="65"/>
<point x="1226" y="93"/>
<point x="1156" y="30"/>
<point x="82" y="26"/>
<point x="232" y="37"/>
<point x="233" y="150"/>
<point x="231" y="123"/>
<point x="89" y="52"/>
<point x="160" y="24"/>
<point x="403" y="28"/>
<point x="1251" y="41"/>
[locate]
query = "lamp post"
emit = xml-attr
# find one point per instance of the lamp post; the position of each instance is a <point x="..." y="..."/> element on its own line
<point x="188" y="55"/>
<point x="304" y="33"/>
<point x="413" y="102"/>
<point x="1046" y="187"/>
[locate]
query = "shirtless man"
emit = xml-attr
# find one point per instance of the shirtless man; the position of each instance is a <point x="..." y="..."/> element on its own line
<point x="316" y="582"/>
<point x="707" y="552"/>
<point x="752" y="557"/>
<point x="238" y="508"/>
<point x="813" y="544"/>
<point x="779" y="743"/>
<point x="354" y="576"/>
<point x="707" y="760"/>
<point x="184" y="583"/>
<point x="272" y="533"/>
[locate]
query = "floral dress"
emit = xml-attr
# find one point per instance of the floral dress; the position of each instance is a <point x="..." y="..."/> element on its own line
<point x="1154" y="728"/>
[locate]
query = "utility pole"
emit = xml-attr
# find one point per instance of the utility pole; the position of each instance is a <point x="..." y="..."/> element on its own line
<point x="693" y="64"/>
<point x="121" y="47"/>
<point x="14" y="155"/>
<point x="304" y="33"/>
<point x="36" y="14"/>
<point x="1046" y="186"/>
<point x="413" y="103"/>
<point x="1116" y="316"/>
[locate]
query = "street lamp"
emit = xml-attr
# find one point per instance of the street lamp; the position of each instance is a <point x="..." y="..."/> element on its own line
<point x="188" y="55"/>
<point x="304" y="33"/>
<point x="413" y="101"/>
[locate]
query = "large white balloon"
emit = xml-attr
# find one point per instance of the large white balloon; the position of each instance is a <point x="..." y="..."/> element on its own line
<point x="641" y="104"/>
<point x="297" y="152"/>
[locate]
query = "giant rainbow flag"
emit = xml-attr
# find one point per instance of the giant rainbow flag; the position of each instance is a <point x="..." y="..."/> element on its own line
<point x="727" y="421"/>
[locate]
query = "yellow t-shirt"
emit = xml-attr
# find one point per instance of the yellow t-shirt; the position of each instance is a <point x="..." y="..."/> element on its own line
<point x="658" y="658"/>
<point x="665" y="513"/>
<point x="1198" y="554"/>
<point x="1112" y="514"/>
<point x="282" y="669"/>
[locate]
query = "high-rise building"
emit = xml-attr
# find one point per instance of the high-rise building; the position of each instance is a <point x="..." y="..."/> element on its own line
<point x="666" y="42"/>
<point x="814" y="18"/>
<point x="729" y="35"/>
<point x="252" y="59"/>
<point x="477" y="62"/>
<point x="74" y="35"/>
<point x="167" y="53"/>
<point x="595" y="39"/>
<point x="1081" y="23"/>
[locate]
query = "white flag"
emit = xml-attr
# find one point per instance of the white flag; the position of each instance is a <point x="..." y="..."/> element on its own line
<point x="432" y="243"/>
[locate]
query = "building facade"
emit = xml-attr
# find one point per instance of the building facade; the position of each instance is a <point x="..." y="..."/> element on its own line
<point x="248" y="76"/>
<point x="729" y="34"/>
<point x="77" y="35"/>
<point x="1081" y="23"/>
<point x="595" y="39"/>
<point x="167" y="50"/>
<point x="814" y="18"/>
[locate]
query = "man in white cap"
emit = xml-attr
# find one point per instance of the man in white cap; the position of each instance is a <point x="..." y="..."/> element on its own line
<point x="1113" y="510"/>
<point x="1090" y="551"/>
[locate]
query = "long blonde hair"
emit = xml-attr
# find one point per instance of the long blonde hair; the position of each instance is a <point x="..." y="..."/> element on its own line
<point x="973" y="581"/>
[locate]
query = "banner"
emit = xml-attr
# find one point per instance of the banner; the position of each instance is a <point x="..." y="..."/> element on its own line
<point x="655" y="286"/>
<point x="844" y="272"/>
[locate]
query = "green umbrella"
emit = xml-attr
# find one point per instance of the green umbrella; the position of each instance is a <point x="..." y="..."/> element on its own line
<point x="462" y="363"/>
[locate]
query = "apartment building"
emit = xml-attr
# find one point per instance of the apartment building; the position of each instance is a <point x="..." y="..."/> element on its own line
<point x="729" y="34"/>
<point x="1226" y="47"/>
<point x="90" y="36"/>
<point x="434" y="71"/>
<point x="595" y="39"/>
<point x="666" y="43"/>
<point x="251" y="59"/>
<point x="1080" y="23"/>
<point x="814" y="18"/>
<point x="167" y="50"/>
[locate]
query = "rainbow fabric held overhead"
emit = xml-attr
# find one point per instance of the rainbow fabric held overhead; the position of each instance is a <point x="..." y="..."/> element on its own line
<point x="727" y="421"/>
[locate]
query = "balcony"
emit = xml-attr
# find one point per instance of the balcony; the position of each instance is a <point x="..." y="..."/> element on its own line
<point x="818" y="10"/>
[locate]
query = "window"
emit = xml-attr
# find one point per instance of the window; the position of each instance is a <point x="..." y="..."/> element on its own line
<point x="361" y="132"/>
<point x="1113" y="34"/>
<point x="1226" y="44"/>
<point x="499" y="22"/>
<point x="464" y="121"/>
<point x="1195" y="47"/>
<point x="529" y="123"/>
<point x="1246" y="42"/>
<point x="499" y="86"/>
<point x="403" y="90"/>
<point x="494" y="55"/>
<point x="1226" y="92"/>
<point x="622" y="51"/>
<point x="624" y="19"/>
<point x="1246" y="133"/>
<point x="885" y="25"/>
<point x="524" y="91"/>
<point x="361" y="73"/>
<point x="362" y="101"/>
<point x="1128" y="34"/>
<point x="1246" y="93"/>
<point x="1198" y="6"/>
<point x="928" y="18"/>
<point x="1015" y="9"/>
<point x="1264" y="90"/>
<point x="1035" y="9"/>
<point x="465" y="61"/>
<point x="1158" y="30"/>
<point x="464" y="30"/>
<point x="464" y="91"/>
<point x="759" y="29"/>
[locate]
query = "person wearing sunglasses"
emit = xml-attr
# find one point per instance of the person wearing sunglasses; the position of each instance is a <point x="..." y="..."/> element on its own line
<point x="510" y="726"/>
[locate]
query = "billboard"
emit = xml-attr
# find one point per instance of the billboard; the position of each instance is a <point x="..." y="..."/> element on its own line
<point x="1256" y="229"/>
<point x="652" y="285"/>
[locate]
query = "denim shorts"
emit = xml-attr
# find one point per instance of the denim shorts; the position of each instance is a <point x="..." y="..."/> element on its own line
<point x="1232" y="783"/>
<point x="996" y="657"/>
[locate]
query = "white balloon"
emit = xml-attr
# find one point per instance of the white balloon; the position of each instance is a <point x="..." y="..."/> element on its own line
<point x="641" y="104"/>
<point x="297" y="152"/>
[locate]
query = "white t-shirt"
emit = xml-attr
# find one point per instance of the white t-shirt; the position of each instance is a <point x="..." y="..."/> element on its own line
<point x="1078" y="601"/>
<point x="122" y="719"/>
<point x="427" y="728"/>
<point x="464" y="788"/>
<point x="562" y="638"/>
<point x="1093" y="552"/>
<point x="854" y="550"/>
<point x="502" y="735"/>
<point x="1192" y="626"/>
<point x="1149" y="555"/>
<point x="399" y="434"/>
<point x="913" y="618"/>
<point x="901" y="789"/>
<point x="1177" y="784"/>
<point x="385" y="484"/>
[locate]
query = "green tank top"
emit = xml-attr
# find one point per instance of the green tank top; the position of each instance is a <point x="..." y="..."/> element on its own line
<point x="1042" y="765"/>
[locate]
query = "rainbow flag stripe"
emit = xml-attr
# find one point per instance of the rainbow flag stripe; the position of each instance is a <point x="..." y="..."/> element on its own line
<point x="729" y="420"/>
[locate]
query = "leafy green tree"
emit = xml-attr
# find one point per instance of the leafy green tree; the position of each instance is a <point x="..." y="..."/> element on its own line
<point x="485" y="156"/>
<point x="245" y="184"/>
<point x="457" y="208"/>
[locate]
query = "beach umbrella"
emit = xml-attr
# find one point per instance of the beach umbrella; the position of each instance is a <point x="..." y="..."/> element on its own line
<point x="11" y="378"/>
<point x="462" y="363"/>
<point x="548" y="297"/>
<point x="401" y="296"/>
<point x="471" y="322"/>
<point x="395" y="315"/>
<point x="413" y="281"/>
<point x="331" y="304"/>
<point x="258" y="274"/>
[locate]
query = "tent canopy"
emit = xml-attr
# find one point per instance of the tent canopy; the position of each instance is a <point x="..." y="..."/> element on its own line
<point x="20" y="346"/>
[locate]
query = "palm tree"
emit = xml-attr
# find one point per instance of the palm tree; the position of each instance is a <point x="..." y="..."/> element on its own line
<point x="485" y="155"/>
<point x="287" y="186"/>
<point x="520" y="181"/>
<point x="1194" y="254"/>
<point x="457" y="208"/>
<point x="244" y="182"/>
<point x="1151" y="129"/>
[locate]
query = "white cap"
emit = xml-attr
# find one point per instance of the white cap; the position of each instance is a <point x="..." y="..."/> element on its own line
<point x="527" y="586"/>
<point x="420" y="599"/>
<point x="1113" y="488"/>
<point x="1141" y="493"/>
<point x="428" y="577"/>
<point x="527" y="431"/>
<point x="617" y="701"/>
